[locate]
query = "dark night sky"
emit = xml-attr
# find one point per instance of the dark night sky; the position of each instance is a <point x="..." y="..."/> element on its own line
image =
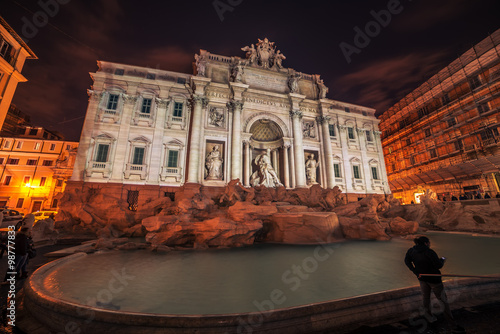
<point x="420" y="40"/>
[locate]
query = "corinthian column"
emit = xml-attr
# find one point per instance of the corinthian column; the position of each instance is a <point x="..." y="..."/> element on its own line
<point x="246" y="166"/>
<point x="236" y="107"/>
<point x="200" y="102"/>
<point x="327" y="147"/>
<point x="300" y="169"/>
<point x="287" y="167"/>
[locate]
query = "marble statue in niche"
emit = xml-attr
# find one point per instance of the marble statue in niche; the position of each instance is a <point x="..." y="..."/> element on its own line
<point x="213" y="164"/>
<point x="311" y="166"/>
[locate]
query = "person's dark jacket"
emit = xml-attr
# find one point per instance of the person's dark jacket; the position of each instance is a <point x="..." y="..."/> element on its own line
<point x="21" y="244"/>
<point x="420" y="259"/>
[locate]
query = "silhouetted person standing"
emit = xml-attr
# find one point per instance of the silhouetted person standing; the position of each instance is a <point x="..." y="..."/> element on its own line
<point x="420" y="259"/>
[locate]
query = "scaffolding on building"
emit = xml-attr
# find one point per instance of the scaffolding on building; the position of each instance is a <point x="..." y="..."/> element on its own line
<point x="446" y="130"/>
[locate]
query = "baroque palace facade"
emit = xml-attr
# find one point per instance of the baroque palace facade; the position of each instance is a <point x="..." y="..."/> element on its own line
<point x="248" y="119"/>
<point x="444" y="135"/>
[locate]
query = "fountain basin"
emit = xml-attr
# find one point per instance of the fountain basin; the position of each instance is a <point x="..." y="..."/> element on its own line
<point x="59" y="303"/>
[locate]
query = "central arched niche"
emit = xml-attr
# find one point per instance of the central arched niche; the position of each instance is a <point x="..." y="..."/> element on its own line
<point x="264" y="130"/>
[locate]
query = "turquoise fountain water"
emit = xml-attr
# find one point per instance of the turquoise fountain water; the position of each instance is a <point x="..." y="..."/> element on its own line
<point x="255" y="278"/>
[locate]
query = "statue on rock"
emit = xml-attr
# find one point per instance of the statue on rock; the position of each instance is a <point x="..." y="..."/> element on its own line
<point x="265" y="175"/>
<point x="213" y="163"/>
<point x="231" y="192"/>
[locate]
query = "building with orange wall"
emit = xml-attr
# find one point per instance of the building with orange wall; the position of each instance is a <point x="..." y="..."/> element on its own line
<point x="13" y="53"/>
<point x="444" y="135"/>
<point x="34" y="171"/>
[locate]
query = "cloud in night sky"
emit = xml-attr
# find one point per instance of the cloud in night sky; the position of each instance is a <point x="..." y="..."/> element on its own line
<point x="382" y="83"/>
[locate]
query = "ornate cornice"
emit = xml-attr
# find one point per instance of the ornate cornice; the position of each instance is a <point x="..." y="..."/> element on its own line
<point x="163" y="103"/>
<point x="129" y="98"/>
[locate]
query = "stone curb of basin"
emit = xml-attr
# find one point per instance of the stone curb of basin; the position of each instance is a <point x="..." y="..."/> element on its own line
<point x="340" y="315"/>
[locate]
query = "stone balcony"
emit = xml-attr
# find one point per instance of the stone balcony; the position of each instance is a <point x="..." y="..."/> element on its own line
<point x="140" y="170"/>
<point x="98" y="167"/>
<point x="171" y="172"/>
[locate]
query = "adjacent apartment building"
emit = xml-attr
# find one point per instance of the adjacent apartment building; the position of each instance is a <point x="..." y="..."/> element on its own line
<point x="13" y="53"/>
<point x="444" y="135"/>
<point x="34" y="170"/>
<point x="149" y="130"/>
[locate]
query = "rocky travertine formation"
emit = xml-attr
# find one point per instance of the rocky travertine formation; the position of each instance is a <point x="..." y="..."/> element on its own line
<point x="240" y="216"/>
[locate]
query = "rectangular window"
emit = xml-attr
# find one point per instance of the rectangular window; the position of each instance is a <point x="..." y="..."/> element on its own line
<point x="451" y="122"/>
<point x="138" y="156"/>
<point x="412" y="160"/>
<point x="178" y="109"/>
<point x="119" y="71"/>
<point x="6" y="182"/>
<point x="347" y="109"/>
<point x="37" y="146"/>
<point x="445" y="99"/>
<point x="19" y="145"/>
<point x="42" y="181"/>
<point x="336" y="169"/>
<point x="150" y="76"/>
<point x="355" y="169"/>
<point x="12" y="161"/>
<point x="331" y="129"/>
<point x="31" y="162"/>
<point x="6" y="144"/>
<point x="375" y="173"/>
<point x="350" y="132"/>
<point x="1" y="161"/>
<point x="482" y="108"/>
<point x="20" y="202"/>
<point x="102" y="153"/>
<point x="112" y="102"/>
<point x="59" y="183"/>
<point x="5" y="50"/>
<point x="47" y="163"/>
<point x="369" y="135"/>
<point x="458" y="145"/>
<point x="433" y="153"/>
<point x="68" y="147"/>
<point x="474" y="82"/>
<point x="408" y="142"/>
<point x="172" y="159"/>
<point x="52" y="147"/>
<point x="26" y="180"/>
<point x="33" y="132"/>
<point x="54" y="203"/>
<point x="133" y="199"/>
<point x="427" y="132"/>
<point x="146" y="106"/>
